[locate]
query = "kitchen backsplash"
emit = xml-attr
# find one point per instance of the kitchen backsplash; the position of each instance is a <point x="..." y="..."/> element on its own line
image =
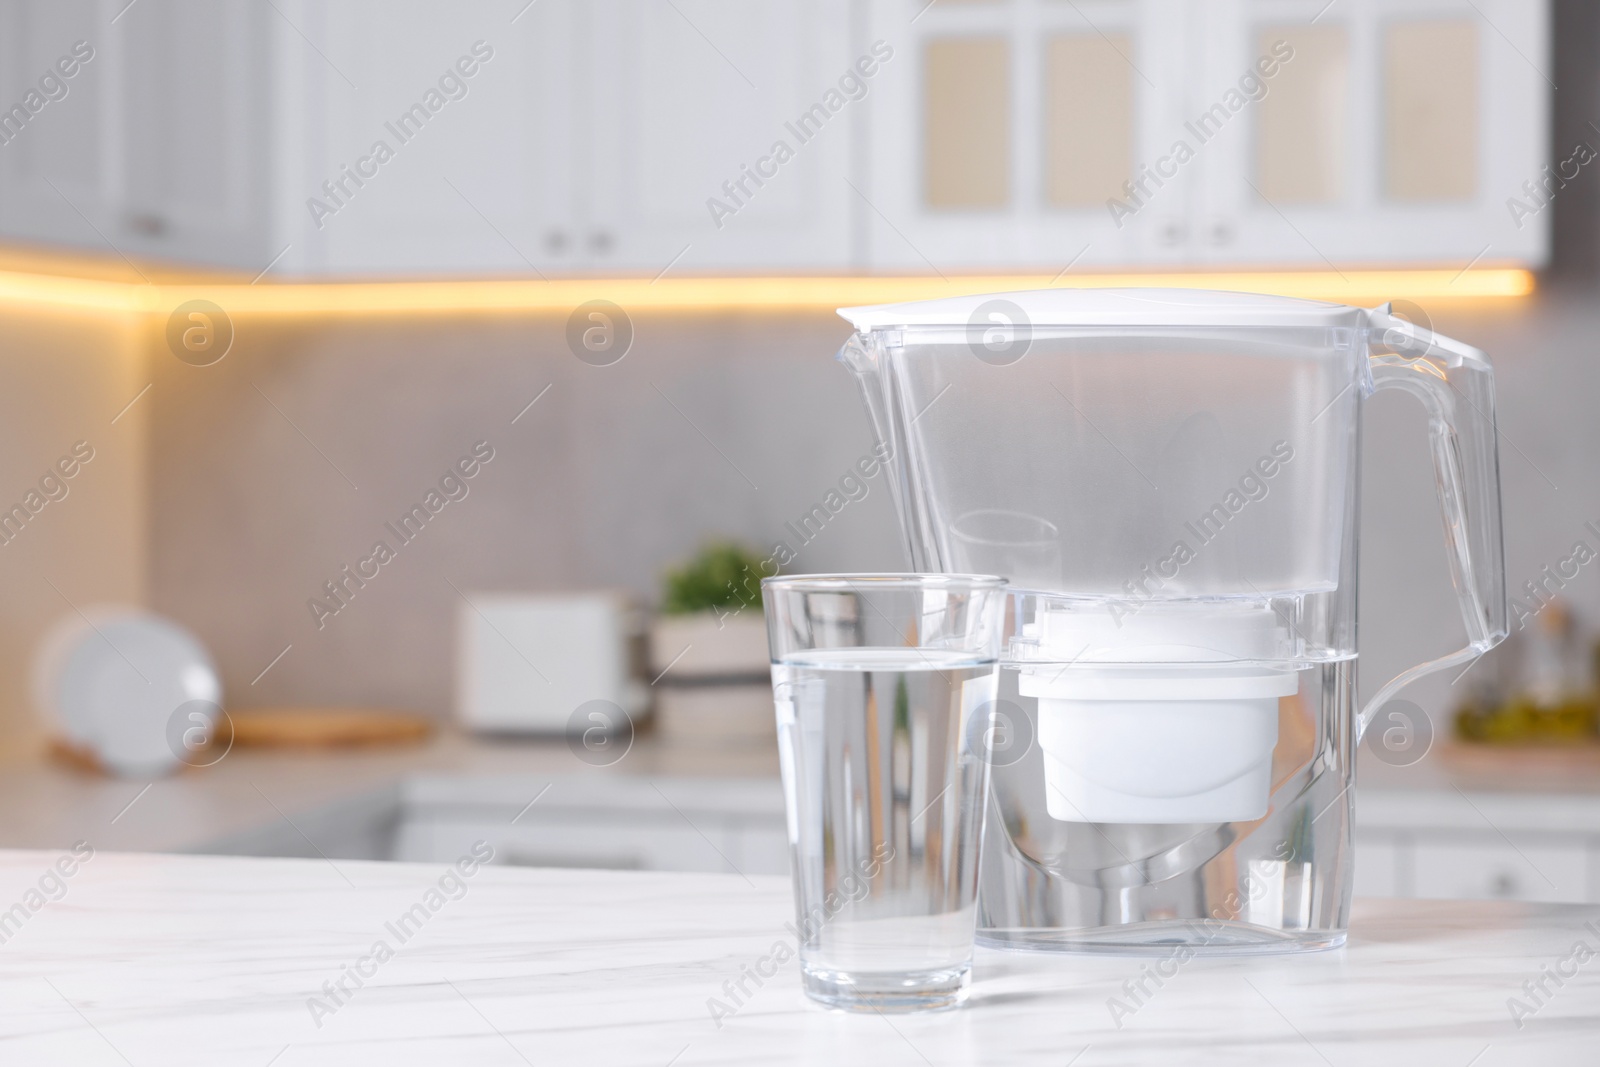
<point x="304" y="460"/>
<point x="325" y="462"/>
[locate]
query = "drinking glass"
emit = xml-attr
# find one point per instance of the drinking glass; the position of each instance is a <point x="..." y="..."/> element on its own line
<point x="883" y="685"/>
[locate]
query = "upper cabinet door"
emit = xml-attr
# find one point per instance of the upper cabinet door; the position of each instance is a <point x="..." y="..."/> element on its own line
<point x="1027" y="133"/>
<point x="441" y="136"/>
<point x="194" y="133"/>
<point x="58" y="94"/>
<point x="1376" y="131"/>
<point x="140" y="130"/>
<point x="719" y="133"/>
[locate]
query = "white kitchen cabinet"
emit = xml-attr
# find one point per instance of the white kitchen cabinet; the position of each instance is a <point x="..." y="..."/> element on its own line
<point x="66" y="141"/>
<point x="587" y="137"/>
<point x="595" y="139"/>
<point x="193" y="123"/>
<point x="660" y="840"/>
<point x="601" y="821"/>
<point x="1433" y="842"/>
<point x="1000" y="131"/>
<point x="1380" y="131"/>
<point x="760" y="846"/>
<point x="59" y="164"/>
<point x="442" y="138"/>
<point x="636" y="844"/>
<point x="1496" y="868"/>
<point x="605" y="821"/>
<point x="159" y="147"/>
<point x="638" y="136"/>
<point x="1398" y="132"/>
<point x="1447" y="844"/>
<point x="718" y="133"/>
<point x="1380" y="869"/>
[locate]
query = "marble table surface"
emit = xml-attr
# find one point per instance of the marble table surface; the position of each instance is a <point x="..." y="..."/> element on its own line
<point x="136" y="959"/>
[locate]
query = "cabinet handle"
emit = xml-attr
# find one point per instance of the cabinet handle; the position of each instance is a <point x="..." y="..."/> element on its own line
<point x="147" y="224"/>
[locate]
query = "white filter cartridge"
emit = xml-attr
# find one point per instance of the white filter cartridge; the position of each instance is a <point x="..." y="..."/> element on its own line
<point x="1167" y="716"/>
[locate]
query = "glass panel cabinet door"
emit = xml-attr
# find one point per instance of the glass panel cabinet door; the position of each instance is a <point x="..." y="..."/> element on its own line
<point x="966" y="123"/>
<point x="1431" y="101"/>
<point x="1088" y="118"/>
<point x="1391" y="131"/>
<point x="1302" y="141"/>
<point x="1025" y="134"/>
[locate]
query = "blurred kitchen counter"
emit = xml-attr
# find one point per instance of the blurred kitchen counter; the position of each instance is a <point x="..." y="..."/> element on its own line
<point x="1476" y="823"/>
<point x="1522" y="828"/>
<point x="46" y="804"/>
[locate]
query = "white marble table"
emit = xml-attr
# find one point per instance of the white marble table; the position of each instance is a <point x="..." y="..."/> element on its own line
<point x="151" y="959"/>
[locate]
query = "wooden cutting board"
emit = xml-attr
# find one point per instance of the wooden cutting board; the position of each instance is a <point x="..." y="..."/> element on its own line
<point x="320" y="727"/>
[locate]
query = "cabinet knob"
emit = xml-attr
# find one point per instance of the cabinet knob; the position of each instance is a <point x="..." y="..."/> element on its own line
<point x="1174" y="233"/>
<point x="1222" y="233"/>
<point x="1505" y="886"/>
<point x="600" y="241"/>
<point x="147" y="224"/>
<point x="555" y="241"/>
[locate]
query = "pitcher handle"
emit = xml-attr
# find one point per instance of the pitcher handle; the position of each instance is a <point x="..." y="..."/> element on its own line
<point x="1456" y="386"/>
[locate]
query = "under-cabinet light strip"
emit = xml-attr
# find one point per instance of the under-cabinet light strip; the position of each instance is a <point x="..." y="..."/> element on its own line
<point x="803" y="293"/>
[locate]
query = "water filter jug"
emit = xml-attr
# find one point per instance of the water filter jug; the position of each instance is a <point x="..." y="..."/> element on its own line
<point x="1169" y="478"/>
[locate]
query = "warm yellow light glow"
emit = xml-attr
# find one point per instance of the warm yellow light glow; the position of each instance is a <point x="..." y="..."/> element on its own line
<point x="82" y="294"/>
<point x="716" y="294"/>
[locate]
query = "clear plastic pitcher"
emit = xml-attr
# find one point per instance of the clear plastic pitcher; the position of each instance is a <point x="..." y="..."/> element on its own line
<point x="1169" y="480"/>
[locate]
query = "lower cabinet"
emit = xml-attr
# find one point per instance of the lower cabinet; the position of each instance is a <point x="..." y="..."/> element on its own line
<point x="1424" y="843"/>
<point x="642" y="842"/>
<point x="616" y="822"/>
<point x="1423" y="863"/>
<point x="1444" y="843"/>
<point x="1496" y="870"/>
<point x="1448" y="864"/>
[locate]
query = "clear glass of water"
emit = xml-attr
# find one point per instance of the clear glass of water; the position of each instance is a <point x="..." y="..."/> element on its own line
<point x="884" y="684"/>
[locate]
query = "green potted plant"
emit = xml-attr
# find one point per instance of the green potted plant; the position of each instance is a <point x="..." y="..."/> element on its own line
<point x="708" y="649"/>
<point x="711" y="622"/>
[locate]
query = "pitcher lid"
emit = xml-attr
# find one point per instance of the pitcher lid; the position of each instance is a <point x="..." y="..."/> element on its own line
<point x="1107" y="307"/>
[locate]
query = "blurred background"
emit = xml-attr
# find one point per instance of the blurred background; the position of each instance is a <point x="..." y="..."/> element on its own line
<point x="538" y="296"/>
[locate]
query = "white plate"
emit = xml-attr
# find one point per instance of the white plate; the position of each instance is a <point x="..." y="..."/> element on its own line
<point x="137" y="690"/>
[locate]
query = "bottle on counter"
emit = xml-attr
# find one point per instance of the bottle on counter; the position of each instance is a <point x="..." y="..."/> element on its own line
<point x="1544" y="690"/>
